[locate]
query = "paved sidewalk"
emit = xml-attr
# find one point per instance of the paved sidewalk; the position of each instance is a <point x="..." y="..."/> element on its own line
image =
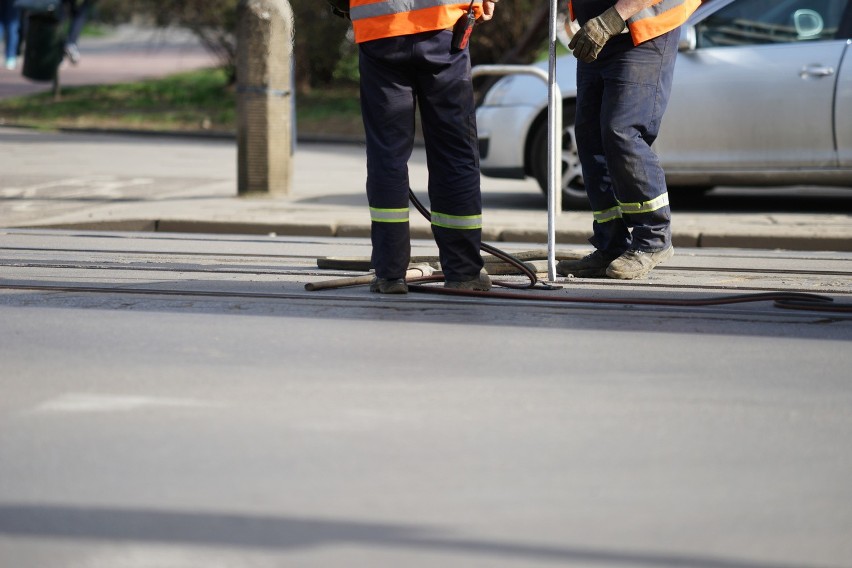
<point x="172" y="184"/>
<point x="151" y="183"/>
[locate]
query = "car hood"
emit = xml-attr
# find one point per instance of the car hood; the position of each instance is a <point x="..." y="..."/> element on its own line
<point x="529" y="90"/>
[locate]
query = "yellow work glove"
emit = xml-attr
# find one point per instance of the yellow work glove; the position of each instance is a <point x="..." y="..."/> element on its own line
<point x="589" y="41"/>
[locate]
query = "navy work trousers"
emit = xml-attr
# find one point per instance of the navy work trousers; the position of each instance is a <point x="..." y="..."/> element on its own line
<point x="621" y="99"/>
<point x="397" y="75"/>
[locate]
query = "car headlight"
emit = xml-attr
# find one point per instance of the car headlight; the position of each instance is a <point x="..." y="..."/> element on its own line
<point x="496" y="95"/>
<point x="524" y="89"/>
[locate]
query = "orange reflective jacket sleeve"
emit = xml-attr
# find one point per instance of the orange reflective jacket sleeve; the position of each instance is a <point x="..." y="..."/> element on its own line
<point x="376" y="19"/>
<point x="659" y="18"/>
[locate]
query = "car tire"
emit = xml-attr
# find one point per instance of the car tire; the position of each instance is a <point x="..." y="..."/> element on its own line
<point x="573" y="188"/>
<point x="688" y="196"/>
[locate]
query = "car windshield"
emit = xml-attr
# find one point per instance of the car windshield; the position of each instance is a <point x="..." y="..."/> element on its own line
<point x="750" y="22"/>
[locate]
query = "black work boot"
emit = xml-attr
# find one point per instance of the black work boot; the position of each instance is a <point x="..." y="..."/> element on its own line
<point x="389" y="286"/>
<point x="481" y="283"/>
<point x="592" y="265"/>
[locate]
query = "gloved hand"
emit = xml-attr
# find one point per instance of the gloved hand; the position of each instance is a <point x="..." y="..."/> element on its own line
<point x="589" y="41"/>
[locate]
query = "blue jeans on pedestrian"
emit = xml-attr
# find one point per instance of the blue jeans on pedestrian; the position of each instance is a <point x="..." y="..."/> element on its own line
<point x="78" y="12"/>
<point x="11" y="22"/>
<point x="398" y="75"/>
<point x="621" y="99"/>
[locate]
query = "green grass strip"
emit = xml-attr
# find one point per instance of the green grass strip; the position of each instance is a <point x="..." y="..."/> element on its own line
<point x="193" y="101"/>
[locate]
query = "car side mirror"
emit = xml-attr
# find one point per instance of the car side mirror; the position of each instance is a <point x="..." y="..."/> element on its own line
<point x="688" y="38"/>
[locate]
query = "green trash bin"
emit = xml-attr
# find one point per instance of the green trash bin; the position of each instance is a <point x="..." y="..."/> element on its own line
<point x="44" y="40"/>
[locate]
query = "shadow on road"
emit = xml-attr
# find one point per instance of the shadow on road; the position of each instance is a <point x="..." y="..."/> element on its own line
<point x="288" y="533"/>
<point x="764" y="200"/>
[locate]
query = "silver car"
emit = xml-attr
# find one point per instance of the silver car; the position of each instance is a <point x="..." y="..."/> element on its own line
<point x="762" y="96"/>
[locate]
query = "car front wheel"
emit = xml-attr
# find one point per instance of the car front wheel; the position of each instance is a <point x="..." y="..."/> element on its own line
<point x="573" y="188"/>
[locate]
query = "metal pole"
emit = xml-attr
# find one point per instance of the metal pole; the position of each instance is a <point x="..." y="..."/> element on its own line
<point x="554" y="148"/>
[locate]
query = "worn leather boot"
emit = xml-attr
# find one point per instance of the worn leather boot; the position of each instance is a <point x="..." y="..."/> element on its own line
<point x="592" y="265"/>
<point x="635" y="264"/>
<point x="481" y="283"/>
<point x="389" y="286"/>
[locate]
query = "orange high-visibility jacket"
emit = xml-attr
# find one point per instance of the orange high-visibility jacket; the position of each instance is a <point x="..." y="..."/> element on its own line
<point x="663" y="16"/>
<point x="375" y="19"/>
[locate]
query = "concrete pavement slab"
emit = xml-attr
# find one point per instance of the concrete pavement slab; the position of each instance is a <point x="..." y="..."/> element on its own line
<point x="180" y="184"/>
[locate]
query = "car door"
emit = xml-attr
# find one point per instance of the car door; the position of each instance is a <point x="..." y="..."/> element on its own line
<point x="843" y="105"/>
<point x="758" y="90"/>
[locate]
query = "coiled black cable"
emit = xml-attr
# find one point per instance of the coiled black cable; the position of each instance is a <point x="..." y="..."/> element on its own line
<point x="783" y="300"/>
<point x="501" y="254"/>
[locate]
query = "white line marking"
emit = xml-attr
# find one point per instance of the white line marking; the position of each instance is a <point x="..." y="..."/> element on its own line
<point x="82" y="403"/>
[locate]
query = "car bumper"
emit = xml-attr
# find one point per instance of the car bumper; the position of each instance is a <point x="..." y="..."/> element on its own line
<point x="501" y="148"/>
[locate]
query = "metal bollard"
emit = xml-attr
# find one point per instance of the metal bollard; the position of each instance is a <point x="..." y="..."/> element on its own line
<point x="265" y="121"/>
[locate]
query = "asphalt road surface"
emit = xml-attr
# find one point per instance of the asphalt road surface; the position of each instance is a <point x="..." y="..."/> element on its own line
<point x="181" y="401"/>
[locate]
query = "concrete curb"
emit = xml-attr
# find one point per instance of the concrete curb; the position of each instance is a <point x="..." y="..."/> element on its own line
<point x="686" y="239"/>
<point x="307" y="138"/>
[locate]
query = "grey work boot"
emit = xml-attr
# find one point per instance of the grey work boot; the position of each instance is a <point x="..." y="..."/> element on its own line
<point x="637" y="264"/>
<point x="389" y="286"/>
<point x="592" y="265"/>
<point x="481" y="283"/>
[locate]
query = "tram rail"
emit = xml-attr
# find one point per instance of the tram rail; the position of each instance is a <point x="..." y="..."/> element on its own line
<point x="188" y="272"/>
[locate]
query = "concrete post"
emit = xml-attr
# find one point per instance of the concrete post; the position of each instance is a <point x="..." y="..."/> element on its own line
<point x="264" y="97"/>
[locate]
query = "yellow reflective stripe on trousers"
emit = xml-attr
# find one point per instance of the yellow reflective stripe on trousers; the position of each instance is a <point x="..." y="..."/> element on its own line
<point x="631" y="209"/>
<point x="389" y="215"/>
<point x="456" y="221"/>
<point x="608" y="214"/>
<point x="644" y="206"/>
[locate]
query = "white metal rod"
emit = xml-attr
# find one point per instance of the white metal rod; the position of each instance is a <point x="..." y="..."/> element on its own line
<point x="554" y="148"/>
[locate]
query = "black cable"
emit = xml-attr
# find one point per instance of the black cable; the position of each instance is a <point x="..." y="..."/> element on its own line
<point x="783" y="300"/>
<point x="501" y="254"/>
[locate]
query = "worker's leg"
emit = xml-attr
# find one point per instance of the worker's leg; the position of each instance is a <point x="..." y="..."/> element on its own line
<point x="445" y="95"/>
<point x="387" y="107"/>
<point x="610" y="233"/>
<point x="637" y="84"/>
